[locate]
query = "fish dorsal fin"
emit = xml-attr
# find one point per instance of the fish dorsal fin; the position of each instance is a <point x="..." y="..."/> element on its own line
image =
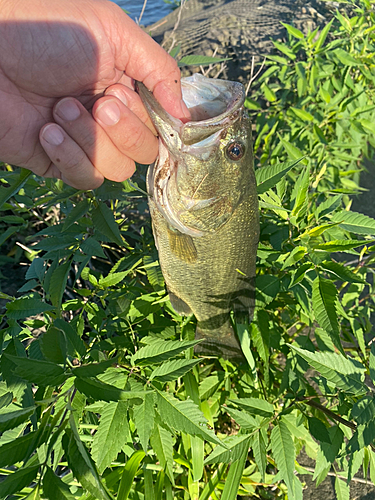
<point x="182" y="245"/>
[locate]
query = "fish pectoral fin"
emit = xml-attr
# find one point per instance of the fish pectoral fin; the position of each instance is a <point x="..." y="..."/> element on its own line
<point x="182" y="245"/>
<point x="179" y="305"/>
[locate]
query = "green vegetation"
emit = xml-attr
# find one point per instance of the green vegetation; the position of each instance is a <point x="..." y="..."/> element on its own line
<point x="101" y="396"/>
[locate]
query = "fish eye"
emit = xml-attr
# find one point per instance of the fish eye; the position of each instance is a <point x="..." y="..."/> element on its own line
<point x="235" y="151"/>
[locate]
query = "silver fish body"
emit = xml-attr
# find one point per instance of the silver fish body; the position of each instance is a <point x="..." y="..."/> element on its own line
<point x="204" y="209"/>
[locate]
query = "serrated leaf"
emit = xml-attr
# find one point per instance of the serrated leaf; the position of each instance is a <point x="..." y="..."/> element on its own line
<point x="184" y="416"/>
<point x="18" y="449"/>
<point x="255" y="406"/>
<point x="355" y="222"/>
<point x="171" y="370"/>
<point x="76" y="213"/>
<point x="346" y="373"/>
<point x="92" y="247"/>
<point x="294" y="256"/>
<point x="112" y="434"/>
<point x="210" y="384"/>
<point x="324" y="298"/>
<point x="260" y="454"/>
<point x="161" y="350"/>
<point x="75" y="345"/>
<point x="104" y="221"/>
<point x="16" y="481"/>
<point x="268" y="287"/>
<point x="162" y="444"/>
<point x="342" y="489"/>
<point x="98" y="390"/>
<point x="293" y="152"/>
<point x="11" y="419"/>
<point x="318" y="430"/>
<point x="36" y="270"/>
<point x="37" y="371"/>
<point x="233" y="479"/>
<point x="54" y="488"/>
<point x="372" y="362"/>
<point x="128" y="475"/>
<point x="194" y="60"/>
<point x="299" y="193"/>
<point x="363" y="411"/>
<point x="144" y="417"/>
<point x="339" y="245"/>
<point x="268" y="177"/>
<point x="235" y="449"/>
<point x="82" y="466"/>
<point x="25" y="307"/>
<point x="93" y="369"/>
<point x="284" y="454"/>
<point x="57" y="283"/>
<point x="53" y="345"/>
<point x="17" y="182"/>
<point x="342" y="272"/>
<point x="112" y="279"/>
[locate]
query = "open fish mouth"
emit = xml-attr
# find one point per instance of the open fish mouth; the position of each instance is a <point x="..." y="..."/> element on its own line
<point x="214" y="106"/>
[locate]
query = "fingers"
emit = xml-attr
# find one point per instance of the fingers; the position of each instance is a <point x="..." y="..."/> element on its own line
<point x="86" y="148"/>
<point x="145" y="60"/>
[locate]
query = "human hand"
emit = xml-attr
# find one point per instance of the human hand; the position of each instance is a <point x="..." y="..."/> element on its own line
<point x="86" y="52"/>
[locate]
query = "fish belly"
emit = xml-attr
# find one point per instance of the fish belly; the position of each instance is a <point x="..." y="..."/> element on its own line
<point x="220" y="276"/>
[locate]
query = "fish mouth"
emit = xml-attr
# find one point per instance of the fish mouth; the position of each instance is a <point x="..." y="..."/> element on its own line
<point x="214" y="106"/>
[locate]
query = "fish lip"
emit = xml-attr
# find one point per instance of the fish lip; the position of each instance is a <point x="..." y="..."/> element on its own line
<point x="191" y="132"/>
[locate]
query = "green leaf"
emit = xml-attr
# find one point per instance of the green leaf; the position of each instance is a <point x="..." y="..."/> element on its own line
<point x="18" y="449"/>
<point x="294" y="256"/>
<point x="284" y="454"/>
<point x="339" y="245"/>
<point x="54" y="488"/>
<point x="299" y="193"/>
<point x="11" y="419"/>
<point x="255" y="406"/>
<point x="160" y="350"/>
<point x="92" y="247"/>
<point x="112" y="279"/>
<point x="355" y="222"/>
<point x="162" y="444"/>
<point x="346" y="373"/>
<point x="104" y="221"/>
<point x="16" y="184"/>
<point x="318" y="430"/>
<point x="234" y="476"/>
<point x="235" y="449"/>
<point x="36" y="371"/>
<point x="98" y="390"/>
<point x="322" y="36"/>
<point x="345" y="58"/>
<point x="200" y="60"/>
<point x="75" y="345"/>
<point x="268" y="287"/>
<point x="364" y="410"/>
<point x="268" y="177"/>
<point x="144" y="417"/>
<point x="184" y="416"/>
<point x="37" y="269"/>
<point x="372" y="362"/>
<point x="293" y="31"/>
<point x="260" y="452"/>
<point x="302" y="114"/>
<point x="112" y="434"/>
<point x="93" y="369"/>
<point x="58" y="283"/>
<point x="324" y="298"/>
<point x="76" y="213"/>
<point x="128" y="475"/>
<point x="342" y="272"/>
<point x="53" y="345"/>
<point x="81" y="464"/>
<point x="25" y="307"/>
<point x="16" y="481"/>
<point x="293" y="152"/>
<point x="171" y="370"/>
<point x="342" y="489"/>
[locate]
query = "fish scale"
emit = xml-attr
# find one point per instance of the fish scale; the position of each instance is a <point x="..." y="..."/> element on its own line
<point x="207" y="246"/>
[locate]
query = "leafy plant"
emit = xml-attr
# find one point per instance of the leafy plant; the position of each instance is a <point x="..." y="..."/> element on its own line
<point x="101" y="396"/>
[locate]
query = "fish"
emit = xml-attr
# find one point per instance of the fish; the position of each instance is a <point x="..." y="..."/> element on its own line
<point x="204" y="209"/>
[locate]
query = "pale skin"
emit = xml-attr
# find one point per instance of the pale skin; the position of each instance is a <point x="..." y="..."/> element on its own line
<point x="68" y="108"/>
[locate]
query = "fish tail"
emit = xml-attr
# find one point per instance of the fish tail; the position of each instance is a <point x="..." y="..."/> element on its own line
<point x="222" y="343"/>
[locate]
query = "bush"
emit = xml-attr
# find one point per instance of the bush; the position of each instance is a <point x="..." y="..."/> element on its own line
<point x="101" y="396"/>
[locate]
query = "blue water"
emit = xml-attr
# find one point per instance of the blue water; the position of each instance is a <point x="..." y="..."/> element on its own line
<point x="155" y="9"/>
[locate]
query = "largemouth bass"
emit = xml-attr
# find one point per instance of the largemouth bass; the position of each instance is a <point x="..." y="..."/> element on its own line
<point x="204" y="209"/>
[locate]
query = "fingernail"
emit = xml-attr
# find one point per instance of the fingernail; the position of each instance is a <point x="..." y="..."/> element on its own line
<point x="108" y="113"/>
<point x="119" y="94"/>
<point x="53" y="135"/>
<point x="68" y="110"/>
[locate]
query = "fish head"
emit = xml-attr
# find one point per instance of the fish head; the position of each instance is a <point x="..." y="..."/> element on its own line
<point x="203" y="169"/>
